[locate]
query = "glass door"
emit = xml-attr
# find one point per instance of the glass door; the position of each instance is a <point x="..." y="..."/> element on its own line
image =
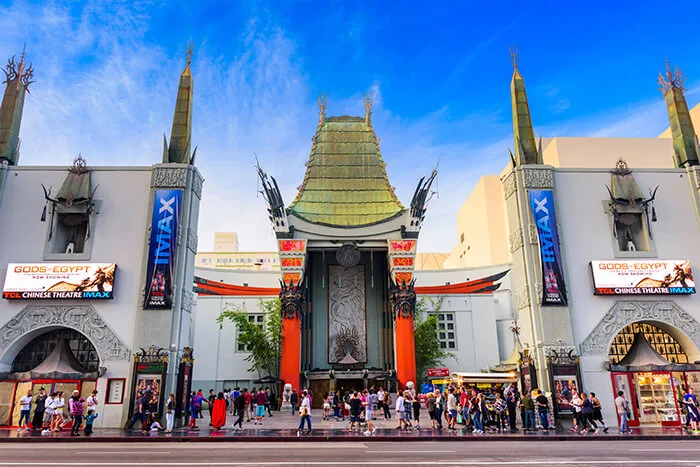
<point x="623" y="382"/>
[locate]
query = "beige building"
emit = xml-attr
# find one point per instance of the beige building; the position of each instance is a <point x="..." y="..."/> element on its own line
<point x="227" y="256"/>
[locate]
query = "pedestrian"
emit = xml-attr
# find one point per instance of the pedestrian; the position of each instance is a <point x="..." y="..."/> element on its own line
<point x="416" y="412"/>
<point x="39" y="409"/>
<point x="500" y="406"/>
<point x="248" y="398"/>
<point x="511" y="406"/>
<point x="380" y="400"/>
<point x="543" y="409"/>
<point x="528" y="406"/>
<point x="369" y="414"/>
<point x="451" y="409"/>
<point x="438" y="408"/>
<point x="218" y="412"/>
<point x="326" y="407"/>
<point x="75" y="404"/>
<point x="268" y="402"/>
<point x="386" y="404"/>
<point x="210" y="401"/>
<point x="200" y="396"/>
<point x="170" y="413"/>
<point x="598" y="412"/>
<point x="153" y="424"/>
<point x="373" y="402"/>
<point x="587" y="414"/>
<point x="89" y="420"/>
<point x="475" y="411"/>
<point x="48" y="413"/>
<point x="239" y="407"/>
<point x="400" y="405"/>
<point x="577" y="403"/>
<point x="691" y="404"/>
<point x="304" y="412"/>
<point x="25" y="404"/>
<point x="623" y="411"/>
<point x="58" y="406"/>
<point x="139" y="414"/>
<point x="92" y="402"/>
<point x="294" y="400"/>
<point x="355" y="411"/>
<point x="260" y="403"/>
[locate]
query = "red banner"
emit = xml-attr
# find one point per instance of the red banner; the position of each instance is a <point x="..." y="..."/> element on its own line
<point x="438" y="372"/>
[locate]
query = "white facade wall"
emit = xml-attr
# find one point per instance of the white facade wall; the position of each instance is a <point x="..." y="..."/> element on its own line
<point x="585" y="235"/>
<point x="118" y="237"/>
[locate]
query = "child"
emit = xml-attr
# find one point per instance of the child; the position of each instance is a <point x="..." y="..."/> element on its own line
<point x="154" y="424"/>
<point x="89" y="418"/>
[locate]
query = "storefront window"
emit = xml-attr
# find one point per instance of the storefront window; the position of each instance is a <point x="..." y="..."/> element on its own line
<point x="38" y="349"/>
<point x="656" y="397"/>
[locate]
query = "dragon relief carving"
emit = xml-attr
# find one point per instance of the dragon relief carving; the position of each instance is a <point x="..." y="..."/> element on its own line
<point x="538" y="177"/>
<point x="169" y="177"/>
<point x="292" y="298"/>
<point x="402" y="299"/>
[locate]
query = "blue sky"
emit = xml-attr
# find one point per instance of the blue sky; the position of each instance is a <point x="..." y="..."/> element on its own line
<point x="106" y="76"/>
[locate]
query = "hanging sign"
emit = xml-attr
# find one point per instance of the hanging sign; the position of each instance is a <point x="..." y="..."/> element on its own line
<point x="650" y="277"/>
<point x="438" y="372"/>
<point x="554" y="289"/>
<point x="55" y="281"/>
<point x="162" y="249"/>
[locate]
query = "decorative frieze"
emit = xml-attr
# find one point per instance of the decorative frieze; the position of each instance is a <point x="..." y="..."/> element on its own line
<point x="522" y="298"/>
<point x="197" y="183"/>
<point x="509" y="185"/>
<point x="624" y="313"/>
<point x="187" y="300"/>
<point x="169" y="177"/>
<point x="516" y="240"/>
<point x="533" y="236"/>
<point x="538" y="177"/>
<point x="192" y="240"/>
<point x="82" y="318"/>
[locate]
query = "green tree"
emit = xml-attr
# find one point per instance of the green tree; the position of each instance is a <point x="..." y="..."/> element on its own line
<point x="429" y="354"/>
<point x="263" y="342"/>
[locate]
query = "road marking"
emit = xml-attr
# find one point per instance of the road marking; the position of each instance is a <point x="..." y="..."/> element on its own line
<point x="406" y="451"/>
<point x="665" y="450"/>
<point x="451" y="462"/>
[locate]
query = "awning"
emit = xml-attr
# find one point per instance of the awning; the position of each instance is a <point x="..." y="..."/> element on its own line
<point x="486" y="377"/>
<point x="61" y="364"/>
<point x="643" y="357"/>
<point x="268" y="380"/>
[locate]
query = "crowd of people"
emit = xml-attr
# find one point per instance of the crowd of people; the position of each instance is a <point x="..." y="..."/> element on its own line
<point x="52" y="414"/>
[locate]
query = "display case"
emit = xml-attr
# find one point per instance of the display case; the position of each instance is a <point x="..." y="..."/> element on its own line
<point x="657" y="402"/>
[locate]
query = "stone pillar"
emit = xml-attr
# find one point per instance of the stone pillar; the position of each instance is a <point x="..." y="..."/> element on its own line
<point x="402" y="299"/>
<point x="292" y="299"/>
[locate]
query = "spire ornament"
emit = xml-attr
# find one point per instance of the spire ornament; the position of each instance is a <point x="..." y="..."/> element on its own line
<point x="188" y="53"/>
<point x="514" y="57"/>
<point x="368" y="108"/>
<point x="322" y="102"/>
<point x="671" y="79"/>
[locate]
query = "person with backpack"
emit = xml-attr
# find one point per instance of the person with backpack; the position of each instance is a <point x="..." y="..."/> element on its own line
<point x="239" y="407"/>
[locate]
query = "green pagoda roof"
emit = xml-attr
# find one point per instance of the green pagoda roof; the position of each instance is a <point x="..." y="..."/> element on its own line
<point x="345" y="184"/>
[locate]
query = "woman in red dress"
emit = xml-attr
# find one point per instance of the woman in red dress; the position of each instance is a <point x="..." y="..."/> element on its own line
<point x="218" y="412"/>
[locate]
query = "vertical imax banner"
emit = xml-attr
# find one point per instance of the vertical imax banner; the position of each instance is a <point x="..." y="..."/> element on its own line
<point x="162" y="249"/>
<point x="554" y="289"/>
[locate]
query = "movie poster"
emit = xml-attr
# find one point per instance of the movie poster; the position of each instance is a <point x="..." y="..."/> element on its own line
<point x="643" y="277"/>
<point x="162" y="249"/>
<point x="55" y="281"/>
<point x="553" y="287"/>
<point x="148" y="386"/>
<point x="565" y="387"/>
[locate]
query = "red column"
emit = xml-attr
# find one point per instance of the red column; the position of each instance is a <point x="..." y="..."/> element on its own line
<point x="405" y="350"/>
<point x="290" y="363"/>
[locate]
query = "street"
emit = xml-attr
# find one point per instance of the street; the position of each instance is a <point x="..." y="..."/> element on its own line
<point x="484" y="453"/>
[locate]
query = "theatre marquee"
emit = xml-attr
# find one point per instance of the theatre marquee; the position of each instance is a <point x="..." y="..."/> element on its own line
<point x="56" y="281"/>
<point x="652" y="277"/>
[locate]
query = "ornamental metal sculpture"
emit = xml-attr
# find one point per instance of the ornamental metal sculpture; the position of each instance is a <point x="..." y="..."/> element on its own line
<point x="272" y="196"/>
<point x="19" y="72"/>
<point x="402" y="299"/>
<point x="292" y="299"/>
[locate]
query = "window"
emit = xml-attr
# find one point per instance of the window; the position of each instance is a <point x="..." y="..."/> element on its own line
<point x="34" y="353"/>
<point x="447" y="332"/>
<point x="252" y="318"/>
<point x="631" y="234"/>
<point x="659" y="339"/>
<point x="70" y="232"/>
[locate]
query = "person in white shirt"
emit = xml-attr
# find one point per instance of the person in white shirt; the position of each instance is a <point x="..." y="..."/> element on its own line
<point x="577" y="403"/>
<point x="25" y="409"/>
<point x="305" y="412"/>
<point x="92" y="402"/>
<point x="400" y="407"/>
<point x="49" y="410"/>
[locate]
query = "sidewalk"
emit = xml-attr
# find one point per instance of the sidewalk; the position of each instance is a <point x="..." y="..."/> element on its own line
<point x="282" y="427"/>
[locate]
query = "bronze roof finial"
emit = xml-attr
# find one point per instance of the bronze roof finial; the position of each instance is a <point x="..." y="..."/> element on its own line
<point x="514" y="56"/>
<point x="368" y="107"/>
<point x="671" y="79"/>
<point x="322" y="102"/>
<point x="188" y="52"/>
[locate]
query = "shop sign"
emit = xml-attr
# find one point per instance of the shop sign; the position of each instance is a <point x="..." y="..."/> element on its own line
<point x="542" y="205"/>
<point x="56" y="281"/>
<point x="162" y="249"/>
<point x="438" y="372"/>
<point x="652" y="277"/>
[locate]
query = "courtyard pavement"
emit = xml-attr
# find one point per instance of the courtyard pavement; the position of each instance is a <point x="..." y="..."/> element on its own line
<point x="283" y="427"/>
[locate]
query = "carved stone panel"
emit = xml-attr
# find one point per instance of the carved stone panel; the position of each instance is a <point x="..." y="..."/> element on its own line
<point x="522" y="298"/>
<point x="538" y="177"/>
<point x="532" y="234"/>
<point x="192" y="240"/>
<point x="169" y="177"/>
<point x="508" y="185"/>
<point x="624" y="313"/>
<point x="516" y="240"/>
<point x="197" y="183"/>
<point x="82" y="318"/>
<point x="347" y="314"/>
